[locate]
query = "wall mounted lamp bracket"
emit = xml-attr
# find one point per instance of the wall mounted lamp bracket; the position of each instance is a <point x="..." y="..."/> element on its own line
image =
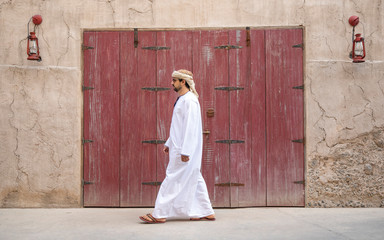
<point x="33" y="50"/>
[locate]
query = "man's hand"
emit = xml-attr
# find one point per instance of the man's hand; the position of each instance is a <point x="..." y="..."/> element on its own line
<point x="184" y="158"/>
<point x="166" y="150"/>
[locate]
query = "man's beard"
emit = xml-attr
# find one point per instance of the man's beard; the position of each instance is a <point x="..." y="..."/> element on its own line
<point x="176" y="89"/>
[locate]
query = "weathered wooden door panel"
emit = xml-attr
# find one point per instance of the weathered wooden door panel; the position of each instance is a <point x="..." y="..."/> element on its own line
<point x="242" y="193"/>
<point x="247" y="118"/>
<point x="138" y="120"/>
<point x="101" y="104"/>
<point x="284" y="108"/>
<point x="178" y="55"/>
<point x="210" y="66"/>
<point x="258" y="121"/>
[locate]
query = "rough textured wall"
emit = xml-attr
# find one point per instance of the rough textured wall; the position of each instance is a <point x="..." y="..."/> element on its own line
<point x="345" y="137"/>
<point x="40" y="134"/>
<point x="40" y="103"/>
<point x="344" y="107"/>
<point x="351" y="175"/>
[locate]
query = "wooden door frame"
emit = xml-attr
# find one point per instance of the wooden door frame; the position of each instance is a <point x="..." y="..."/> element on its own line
<point x="305" y="97"/>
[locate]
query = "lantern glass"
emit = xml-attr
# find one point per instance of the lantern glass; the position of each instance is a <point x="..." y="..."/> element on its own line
<point x="359" y="49"/>
<point x="33" y="47"/>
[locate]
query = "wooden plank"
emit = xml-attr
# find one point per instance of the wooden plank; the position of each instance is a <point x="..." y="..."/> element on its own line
<point x="258" y="121"/>
<point x="179" y="56"/>
<point x="101" y="119"/>
<point x="210" y="68"/>
<point x="138" y="120"/>
<point x="239" y="120"/>
<point x="284" y="117"/>
<point x="247" y="118"/>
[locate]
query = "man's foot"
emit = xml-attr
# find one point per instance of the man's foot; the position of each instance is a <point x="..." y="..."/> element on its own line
<point x="150" y="219"/>
<point x="208" y="218"/>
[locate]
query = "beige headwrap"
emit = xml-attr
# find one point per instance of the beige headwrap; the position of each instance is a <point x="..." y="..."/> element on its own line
<point x="188" y="78"/>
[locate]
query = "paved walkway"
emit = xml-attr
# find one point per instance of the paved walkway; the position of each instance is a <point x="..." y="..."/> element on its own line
<point x="242" y="223"/>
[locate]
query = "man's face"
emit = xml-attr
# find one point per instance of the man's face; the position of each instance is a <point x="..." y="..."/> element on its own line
<point x="176" y="84"/>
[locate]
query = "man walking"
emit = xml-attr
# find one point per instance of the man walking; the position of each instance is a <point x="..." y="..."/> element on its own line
<point x="183" y="193"/>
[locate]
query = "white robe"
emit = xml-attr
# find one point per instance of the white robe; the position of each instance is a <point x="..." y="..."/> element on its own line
<point x="183" y="193"/>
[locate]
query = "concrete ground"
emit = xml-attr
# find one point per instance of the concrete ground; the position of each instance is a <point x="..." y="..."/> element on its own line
<point x="242" y="223"/>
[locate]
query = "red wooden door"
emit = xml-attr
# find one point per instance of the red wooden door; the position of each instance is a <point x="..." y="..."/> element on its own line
<point x="233" y="109"/>
<point x="247" y="153"/>
<point x="284" y="117"/>
<point x="251" y="113"/>
<point x="133" y="112"/>
<point x="101" y="115"/>
<point x="138" y="120"/>
<point x="177" y="55"/>
<point x="249" y="158"/>
<point x="147" y="103"/>
<point x="210" y="68"/>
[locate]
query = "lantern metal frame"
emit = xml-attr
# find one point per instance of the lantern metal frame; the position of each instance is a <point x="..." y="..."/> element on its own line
<point x="358" y="58"/>
<point x="356" y="39"/>
<point x="33" y="41"/>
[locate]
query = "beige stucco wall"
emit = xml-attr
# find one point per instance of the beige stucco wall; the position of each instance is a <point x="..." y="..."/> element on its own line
<point x="40" y="103"/>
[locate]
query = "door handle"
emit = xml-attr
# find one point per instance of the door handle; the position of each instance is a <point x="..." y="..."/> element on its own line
<point x="210" y="112"/>
<point x="206" y="132"/>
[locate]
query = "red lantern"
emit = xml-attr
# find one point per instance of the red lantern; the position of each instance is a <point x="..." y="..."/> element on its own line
<point x="358" y="49"/>
<point x="33" y="50"/>
<point x="358" y="46"/>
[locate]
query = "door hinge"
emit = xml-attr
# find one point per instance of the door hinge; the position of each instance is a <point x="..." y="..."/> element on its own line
<point x="228" y="47"/>
<point x="299" y="182"/>
<point x="153" y="141"/>
<point x="152" y="183"/>
<point x="83" y="47"/>
<point x="299" y="87"/>
<point x="301" y="45"/>
<point x="248" y="36"/>
<point x="229" y="88"/>
<point x="230" y="141"/>
<point x="155" y="48"/>
<point x="87" y="88"/>
<point x="136" y="38"/>
<point x="230" y="184"/>
<point x="155" y="89"/>
<point x="86" y="141"/>
<point x="86" y="182"/>
<point x="298" y="140"/>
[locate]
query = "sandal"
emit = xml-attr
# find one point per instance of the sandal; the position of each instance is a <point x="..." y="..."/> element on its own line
<point x="203" y="218"/>
<point x="151" y="219"/>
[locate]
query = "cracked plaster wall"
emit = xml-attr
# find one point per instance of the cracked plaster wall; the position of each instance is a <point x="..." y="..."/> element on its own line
<point x="40" y="121"/>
